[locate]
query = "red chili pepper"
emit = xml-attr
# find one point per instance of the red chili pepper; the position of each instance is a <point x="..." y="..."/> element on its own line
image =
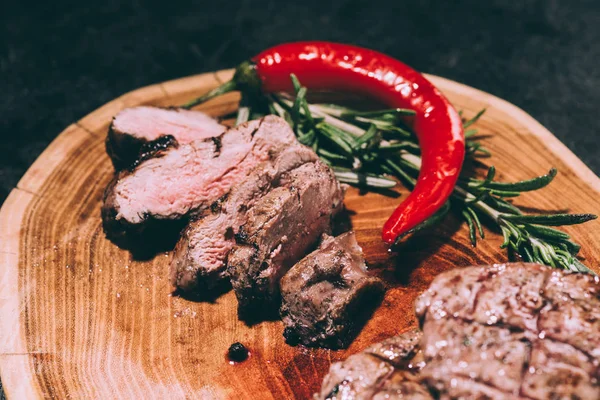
<point x="340" y="67"/>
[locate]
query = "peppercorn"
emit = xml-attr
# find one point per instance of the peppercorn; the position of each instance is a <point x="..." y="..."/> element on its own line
<point x="237" y="352"/>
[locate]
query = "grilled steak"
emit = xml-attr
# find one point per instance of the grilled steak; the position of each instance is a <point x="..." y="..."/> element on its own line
<point x="280" y="229"/>
<point x="185" y="180"/>
<point x="517" y="330"/>
<point x="382" y="371"/>
<point x="135" y="127"/>
<point x="326" y="295"/>
<point x="199" y="258"/>
<point x="509" y="331"/>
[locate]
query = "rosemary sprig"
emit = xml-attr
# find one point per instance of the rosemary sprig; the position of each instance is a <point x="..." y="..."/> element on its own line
<point x="364" y="147"/>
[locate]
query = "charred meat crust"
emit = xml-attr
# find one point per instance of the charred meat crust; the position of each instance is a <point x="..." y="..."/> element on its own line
<point x="127" y="151"/>
<point x="122" y="148"/>
<point x="153" y="149"/>
<point x="508" y="331"/>
<point x="125" y="147"/>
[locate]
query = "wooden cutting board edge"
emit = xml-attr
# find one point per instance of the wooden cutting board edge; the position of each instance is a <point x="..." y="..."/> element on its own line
<point x="16" y="369"/>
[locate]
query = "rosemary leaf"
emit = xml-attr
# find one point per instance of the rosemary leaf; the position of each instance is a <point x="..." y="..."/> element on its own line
<point x="546" y="233"/>
<point x="551" y="220"/>
<point x="472" y="233"/>
<point x="504" y="193"/>
<point x="477" y="222"/>
<point x="362" y="179"/>
<point x="379" y="113"/>
<point x="524" y="186"/>
<point x="474" y="119"/>
<point x="470" y="133"/>
<point x="368" y="135"/>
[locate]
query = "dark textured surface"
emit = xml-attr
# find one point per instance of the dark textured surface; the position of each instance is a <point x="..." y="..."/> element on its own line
<point x="60" y="61"/>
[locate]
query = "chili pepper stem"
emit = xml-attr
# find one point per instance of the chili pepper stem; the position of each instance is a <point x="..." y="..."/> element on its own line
<point x="227" y="87"/>
<point x="245" y="79"/>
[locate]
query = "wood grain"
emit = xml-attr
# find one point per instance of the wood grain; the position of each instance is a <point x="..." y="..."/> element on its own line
<point x="81" y="319"/>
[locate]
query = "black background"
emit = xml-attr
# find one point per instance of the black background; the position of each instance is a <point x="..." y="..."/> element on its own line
<point x="61" y="60"/>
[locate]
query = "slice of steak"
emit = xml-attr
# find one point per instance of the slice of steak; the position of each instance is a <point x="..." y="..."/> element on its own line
<point x="451" y="293"/>
<point x="523" y="330"/>
<point x="461" y="388"/>
<point x="281" y="228"/>
<point x="402" y="351"/>
<point x="199" y="260"/>
<point x="558" y="370"/>
<point x="357" y="377"/>
<point x="402" y="385"/>
<point x="491" y="355"/>
<point x="135" y="127"/>
<point x="376" y="372"/>
<point x="185" y="180"/>
<point x="328" y="294"/>
<point x="502" y="294"/>
<point x="573" y="313"/>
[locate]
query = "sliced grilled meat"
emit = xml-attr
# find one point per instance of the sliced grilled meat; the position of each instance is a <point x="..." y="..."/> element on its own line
<point x="508" y="331"/>
<point x="185" y="180"/>
<point x="402" y="385"/>
<point x="281" y="228"/>
<point x="379" y="371"/>
<point x="559" y="371"/>
<point x="572" y="314"/>
<point x="135" y="127"/>
<point x="511" y="331"/>
<point x="491" y="355"/>
<point x="199" y="259"/>
<point x="327" y="295"/>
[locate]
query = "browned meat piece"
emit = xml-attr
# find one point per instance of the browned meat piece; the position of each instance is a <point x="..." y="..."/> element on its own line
<point x="521" y="330"/>
<point x="452" y="293"/>
<point x="487" y="294"/>
<point x="199" y="260"/>
<point x="281" y="228"/>
<point x="469" y="389"/>
<point x="135" y="127"/>
<point x="327" y="295"/>
<point x="402" y="385"/>
<point x="373" y="373"/>
<point x="185" y="180"/>
<point x="573" y="313"/>
<point x="510" y="331"/>
<point x="560" y="370"/>
<point x="402" y="351"/>
<point x="487" y="354"/>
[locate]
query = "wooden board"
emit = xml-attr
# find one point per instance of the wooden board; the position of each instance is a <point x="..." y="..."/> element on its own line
<point x="81" y="319"/>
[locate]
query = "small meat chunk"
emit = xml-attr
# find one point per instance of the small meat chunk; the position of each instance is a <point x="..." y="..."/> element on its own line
<point x="327" y="294"/>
